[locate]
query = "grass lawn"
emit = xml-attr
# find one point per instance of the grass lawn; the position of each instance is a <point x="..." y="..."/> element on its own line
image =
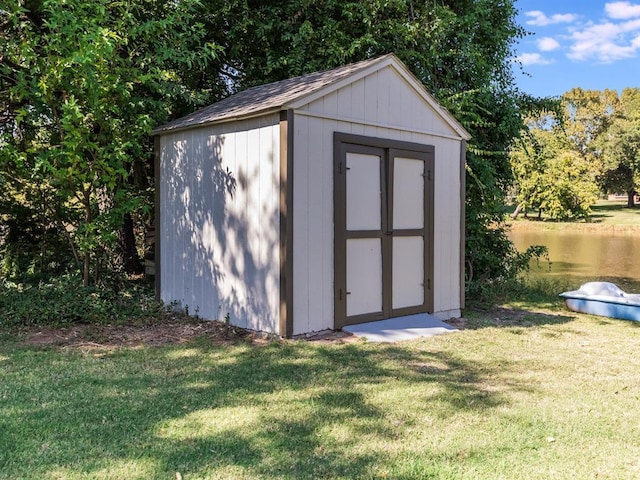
<point x="532" y="395"/>
<point x="605" y="216"/>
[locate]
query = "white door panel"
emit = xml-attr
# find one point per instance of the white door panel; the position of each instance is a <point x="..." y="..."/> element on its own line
<point x="363" y="192"/>
<point x="364" y="276"/>
<point x="408" y="193"/>
<point x="407" y="272"/>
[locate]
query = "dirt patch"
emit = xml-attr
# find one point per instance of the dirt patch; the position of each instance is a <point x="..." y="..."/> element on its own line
<point x="159" y="334"/>
<point x="152" y="334"/>
<point x="459" y="323"/>
<point x="183" y="331"/>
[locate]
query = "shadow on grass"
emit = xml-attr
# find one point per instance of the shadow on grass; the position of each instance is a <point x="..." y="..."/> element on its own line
<point x="476" y="318"/>
<point x="285" y="410"/>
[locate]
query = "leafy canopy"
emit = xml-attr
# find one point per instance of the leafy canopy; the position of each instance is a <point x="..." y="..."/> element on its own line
<point x="82" y="85"/>
<point x="84" y="82"/>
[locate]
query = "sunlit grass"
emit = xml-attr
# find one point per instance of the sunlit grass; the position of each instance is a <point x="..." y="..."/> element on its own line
<point x="551" y="395"/>
<point x="606" y="216"/>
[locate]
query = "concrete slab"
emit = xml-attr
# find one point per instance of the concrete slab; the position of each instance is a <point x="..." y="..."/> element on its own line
<point x="401" y="328"/>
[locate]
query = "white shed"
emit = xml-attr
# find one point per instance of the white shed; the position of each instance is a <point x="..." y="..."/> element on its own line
<point x="313" y="203"/>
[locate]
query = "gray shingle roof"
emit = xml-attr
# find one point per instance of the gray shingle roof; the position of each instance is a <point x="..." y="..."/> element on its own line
<point x="263" y="98"/>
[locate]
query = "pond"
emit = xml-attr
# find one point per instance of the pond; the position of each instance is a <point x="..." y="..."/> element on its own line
<point x="580" y="256"/>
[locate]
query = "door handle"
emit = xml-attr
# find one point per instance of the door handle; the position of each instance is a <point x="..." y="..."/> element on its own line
<point x="340" y="293"/>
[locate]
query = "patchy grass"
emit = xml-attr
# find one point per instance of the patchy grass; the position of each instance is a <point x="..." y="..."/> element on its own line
<point x="518" y="394"/>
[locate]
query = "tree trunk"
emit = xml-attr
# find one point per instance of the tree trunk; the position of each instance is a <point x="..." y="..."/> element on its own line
<point x="127" y="248"/>
<point x="631" y="199"/>
<point x="515" y="214"/>
<point x="123" y="256"/>
<point x="87" y="255"/>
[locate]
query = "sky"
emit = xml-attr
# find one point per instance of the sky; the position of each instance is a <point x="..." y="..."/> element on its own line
<point x="578" y="43"/>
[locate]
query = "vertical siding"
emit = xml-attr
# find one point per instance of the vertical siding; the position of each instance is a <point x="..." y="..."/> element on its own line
<point x="312" y="240"/>
<point x="381" y="98"/>
<point x="219" y="194"/>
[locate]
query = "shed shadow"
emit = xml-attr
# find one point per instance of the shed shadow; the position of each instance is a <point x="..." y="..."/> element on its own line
<point x="280" y="410"/>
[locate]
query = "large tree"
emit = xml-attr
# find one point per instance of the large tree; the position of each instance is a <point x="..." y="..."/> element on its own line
<point x="621" y="148"/>
<point x="461" y="50"/>
<point x="82" y="84"/>
<point x="551" y="175"/>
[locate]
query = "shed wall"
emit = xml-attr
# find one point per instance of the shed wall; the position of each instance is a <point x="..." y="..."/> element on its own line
<point x="382" y="106"/>
<point x="219" y="221"/>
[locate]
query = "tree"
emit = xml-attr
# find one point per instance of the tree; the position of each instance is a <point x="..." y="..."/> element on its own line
<point x="621" y="148"/>
<point x="587" y="114"/>
<point x="82" y="85"/>
<point x="593" y="144"/>
<point x="461" y="51"/>
<point x="551" y="175"/>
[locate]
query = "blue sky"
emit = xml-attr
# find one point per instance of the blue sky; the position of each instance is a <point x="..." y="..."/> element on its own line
<point x="578" y="43"/>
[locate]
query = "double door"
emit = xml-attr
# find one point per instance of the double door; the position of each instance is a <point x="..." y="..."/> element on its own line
<point x="383" y="216"/>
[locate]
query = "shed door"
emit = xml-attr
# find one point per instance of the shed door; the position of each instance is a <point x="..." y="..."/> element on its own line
<point x="383" y="214"/>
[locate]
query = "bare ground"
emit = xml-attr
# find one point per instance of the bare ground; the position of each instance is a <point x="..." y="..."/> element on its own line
<point x="179" y="331"/>
<point x="176" y="332"/>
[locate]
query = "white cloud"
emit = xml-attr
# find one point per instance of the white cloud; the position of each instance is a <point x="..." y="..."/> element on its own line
<point x="541" y="19"/>
<point x="622" y="10"/>
<point x="606" y="42"/>
<point x="547" y="44"/>
<point x="533" y="59"/>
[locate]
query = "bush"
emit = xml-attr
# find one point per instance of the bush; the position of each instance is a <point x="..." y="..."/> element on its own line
<point x="64" y="301"/>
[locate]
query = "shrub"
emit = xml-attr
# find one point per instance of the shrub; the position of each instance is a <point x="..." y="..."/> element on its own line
<point x="64" y="300"/>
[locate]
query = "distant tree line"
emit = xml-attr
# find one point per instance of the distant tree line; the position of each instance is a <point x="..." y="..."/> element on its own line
<point x="588" y="147"/>
<point x="83" y="83"/>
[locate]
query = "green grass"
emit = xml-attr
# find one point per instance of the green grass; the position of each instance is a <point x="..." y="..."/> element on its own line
<point x="615" y="213"/>
<point x="549" y="395"/>
<point x="605" y="215"/>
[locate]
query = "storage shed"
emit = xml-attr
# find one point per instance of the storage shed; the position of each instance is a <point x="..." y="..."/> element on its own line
<point x="312" y="203"/>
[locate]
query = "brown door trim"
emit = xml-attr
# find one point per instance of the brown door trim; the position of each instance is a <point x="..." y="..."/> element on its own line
<point x="388" y="150"/>
<point x="285" y="323"/>
<point x="341" y="234"/>
<point x="427" y="156"/>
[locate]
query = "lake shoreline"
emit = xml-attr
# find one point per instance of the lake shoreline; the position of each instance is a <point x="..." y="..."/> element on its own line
<point x="607" y="216"/>
<point x="604" y="248"/>
<point x="594" y="227"/>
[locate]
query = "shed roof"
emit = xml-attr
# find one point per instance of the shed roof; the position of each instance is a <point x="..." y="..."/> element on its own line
<point x="298" y="91"/>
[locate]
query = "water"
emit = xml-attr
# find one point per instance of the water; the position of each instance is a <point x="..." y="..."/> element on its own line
<point x="583" y="256"/>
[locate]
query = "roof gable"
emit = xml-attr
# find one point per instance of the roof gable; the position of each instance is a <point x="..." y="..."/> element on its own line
<point x="299" y="91"/>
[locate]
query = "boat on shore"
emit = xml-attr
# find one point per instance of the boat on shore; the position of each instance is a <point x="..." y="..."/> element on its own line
<point x="604" y="299"/>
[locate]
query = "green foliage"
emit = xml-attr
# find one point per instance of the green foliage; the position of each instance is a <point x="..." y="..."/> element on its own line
<point x="82" y="85"/>
<point x="621" y="148"/>
<point x="550" y="175"/>
<point x="460" y="50"/>
<point x="64" y="301"/>
<point x="590" y="146"/>
<point x="498" y="265"/>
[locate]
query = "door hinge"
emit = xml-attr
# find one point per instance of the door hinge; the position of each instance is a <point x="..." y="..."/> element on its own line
<point x="427" y="175"/>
